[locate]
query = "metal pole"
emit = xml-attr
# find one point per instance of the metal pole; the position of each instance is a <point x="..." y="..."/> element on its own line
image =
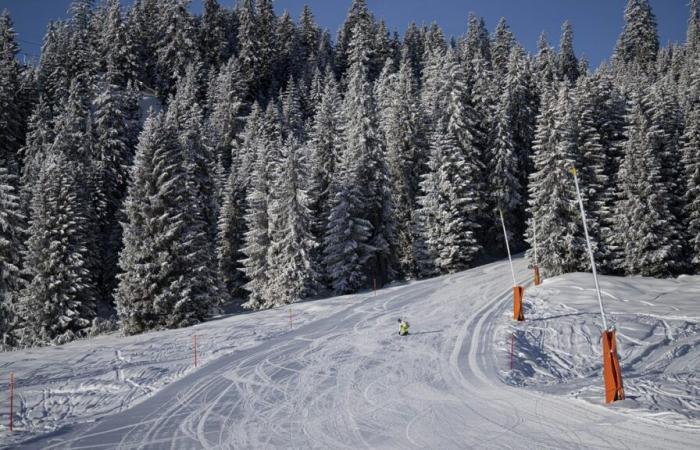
<point x="590" y="250"/>
<point x="534" y="233"/>
<point x="505" y="235"/>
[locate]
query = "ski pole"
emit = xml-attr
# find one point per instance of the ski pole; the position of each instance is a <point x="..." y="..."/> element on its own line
<point x="590" y="250"/>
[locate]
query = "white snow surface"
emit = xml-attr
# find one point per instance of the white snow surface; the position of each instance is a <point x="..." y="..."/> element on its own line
<point x="341" y="377"/>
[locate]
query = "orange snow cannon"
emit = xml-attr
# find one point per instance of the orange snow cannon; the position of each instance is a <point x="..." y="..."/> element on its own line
<point x="538" y="278"/>
<point x="611" y="369"/>
<point x="518" y="294"/>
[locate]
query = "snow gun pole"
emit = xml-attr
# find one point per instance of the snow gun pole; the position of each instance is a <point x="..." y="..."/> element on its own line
<point x="538" y="278"/>
<point x="517" y="290"/>
<point x="12" y="399"/>
<point x="611" y="363"/>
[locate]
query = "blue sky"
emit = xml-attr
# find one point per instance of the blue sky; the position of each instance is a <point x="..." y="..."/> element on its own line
<point x="597" y="23"/>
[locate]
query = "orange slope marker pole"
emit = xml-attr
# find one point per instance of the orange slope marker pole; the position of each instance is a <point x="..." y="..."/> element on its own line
<point x="611" y="362"/>
<point x="518" y="291"/>
<point x="538" y="278"/>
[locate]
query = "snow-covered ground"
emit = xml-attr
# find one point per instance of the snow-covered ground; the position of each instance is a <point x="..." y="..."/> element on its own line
<point x="342" y="378"/>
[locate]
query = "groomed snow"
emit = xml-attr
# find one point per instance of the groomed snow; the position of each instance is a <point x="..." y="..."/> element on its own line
<point x="342" y="378"/>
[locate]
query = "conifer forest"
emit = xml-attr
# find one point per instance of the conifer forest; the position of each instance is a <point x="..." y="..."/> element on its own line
<point x="156" y="165"/>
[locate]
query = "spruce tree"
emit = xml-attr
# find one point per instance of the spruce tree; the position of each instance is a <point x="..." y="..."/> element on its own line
<point x="292" y="244"/>
<point x="553" y="204"/>
<point x="12" y="233"/>
<point x="59" y="302"/>
<point x="449" y="204"/>
<point x="568" y="63"/>
<point x="638" y="45"/>
<point x="644" y="217"/>
<point x="11" y="120"/>
<point x="691" y="171"/>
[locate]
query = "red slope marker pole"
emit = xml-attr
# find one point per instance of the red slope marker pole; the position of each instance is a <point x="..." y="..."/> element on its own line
<point x="194" y="347"/>
<point x="12" y="399"/>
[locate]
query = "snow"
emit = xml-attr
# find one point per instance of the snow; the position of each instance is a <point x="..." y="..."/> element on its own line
<point x="342" y="378"/>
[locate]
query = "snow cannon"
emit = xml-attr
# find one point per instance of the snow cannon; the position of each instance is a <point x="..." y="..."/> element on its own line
<point x="518" y="291"/>
<point x="611" y="368"/>
<point x="518" y="294"/>
<point x="612" y="375"/>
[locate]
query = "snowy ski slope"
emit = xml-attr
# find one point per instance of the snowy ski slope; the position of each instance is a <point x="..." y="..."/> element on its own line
<point x="342" y="378"/>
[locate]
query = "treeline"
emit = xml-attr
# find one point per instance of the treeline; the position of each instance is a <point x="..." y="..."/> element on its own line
<point x="284" y="164"/>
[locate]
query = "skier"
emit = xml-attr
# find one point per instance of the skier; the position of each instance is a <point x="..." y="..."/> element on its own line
<point x="403" y="327"/>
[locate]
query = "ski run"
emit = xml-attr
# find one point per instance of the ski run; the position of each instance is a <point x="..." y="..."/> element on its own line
<point x="341" y="377"/>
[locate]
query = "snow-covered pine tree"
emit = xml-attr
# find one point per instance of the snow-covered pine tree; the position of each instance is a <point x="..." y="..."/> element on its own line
<point x="664" y="134"/>
<point x="567" y="61"/>
<point x="257" y="215"/>
<point x="364" y="158"/>
<point x="477" y="41"/>
<point x="325" y="153"/>
<point x="502" y="43"/>
<point x="11" y="120"/>
<point x="215" y="39"/>
<point x="228" y="108"/>
<point x="402" y="124"/>
<point x="248" y="47"/>
<point x="292" y="115"/>
<point x="510" y="147"/>
<point x="448" y="205"/>
<point x="59" y="302"/>
<point x="177" y="45"/>
<point x="358" y="14"/>
<point x="552" y="201"/>
<point x="644" y="217"/>
<point x="292" y="274"/>
<point x="266" y="24"/>
<point x="691" y="169"/>
<point x="693" y="34"/>
<point x="230" y="237"/>
<point x="545" y="65"/>
<point x="185" y="116"/>
<point x="414" y="49"/>
<point x="638" y="44"/>
<point x="12" y="234"/>
<point x="288" y="63"/>
<point x="141" y="278"/>
<point x="39" y="138"/>
<point x="117" y="48"/>
<point x="112" y="154"/>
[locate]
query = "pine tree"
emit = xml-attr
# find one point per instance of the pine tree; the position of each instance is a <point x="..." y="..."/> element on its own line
<point x="112" y="156"/>
<point x="257" y="215"/>
<point x="12" y="232"/>
<point x="401" y="123"/>
<point x="118" y="51"/>
<point x="290" y="254"/>
<point x="501" y="45"/>
<point x="59" y="302"/>
<point x="364" y="158"/>
<point x="638" y="44"/>
<point x="228" y="108"/>
<point x="248" y="48"/>
<point x="140" y="280"/>
<point x="691" y="170"/>
<point x="177" y="47"/>
<point x="215" y="37"/>
<point x="230" y="237"/>
<point x="693" y="35"/>
<point x="553" y="204"/>
<point x="568" y="63"/>
<point x="11" y="126"/>
<point x="39" y="138"/>
<point x="449" y="204"/>
<point x="477" y="41"/>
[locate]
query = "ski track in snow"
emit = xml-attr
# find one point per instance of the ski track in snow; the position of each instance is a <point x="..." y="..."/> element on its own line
<point x="343" y="379"/>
